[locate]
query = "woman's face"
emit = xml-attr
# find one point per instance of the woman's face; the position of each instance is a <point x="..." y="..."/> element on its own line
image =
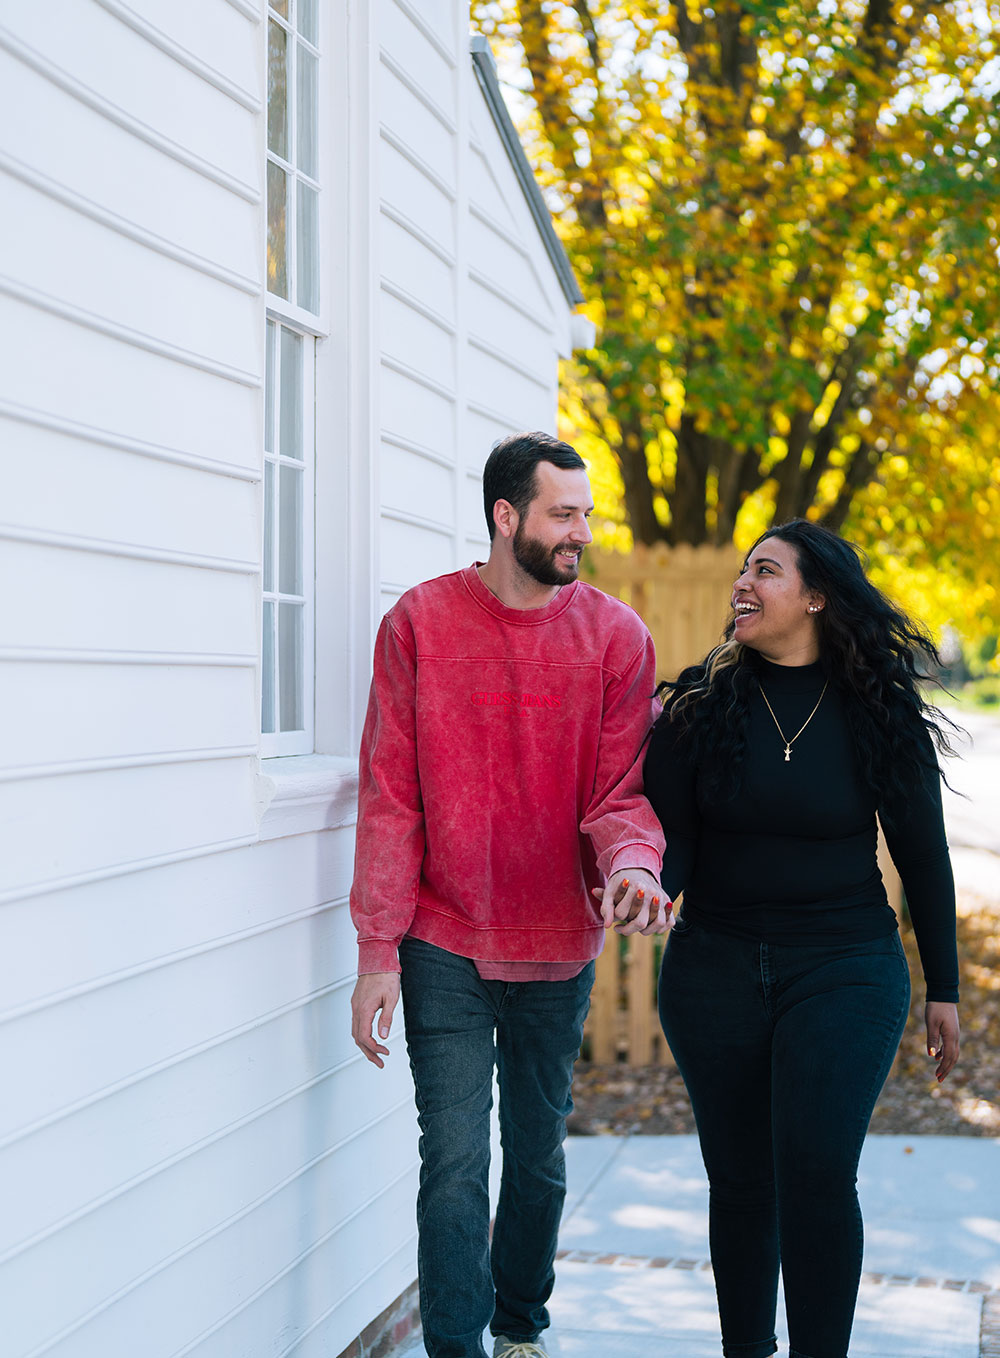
<point x="775" y="613"/>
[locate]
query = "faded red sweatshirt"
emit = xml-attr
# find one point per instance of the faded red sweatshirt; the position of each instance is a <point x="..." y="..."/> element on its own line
<point x="501" y="773"/>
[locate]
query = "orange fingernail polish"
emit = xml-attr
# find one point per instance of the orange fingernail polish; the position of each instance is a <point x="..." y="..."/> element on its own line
<point x="640" y="892"/>
<point x="624" y="881"/>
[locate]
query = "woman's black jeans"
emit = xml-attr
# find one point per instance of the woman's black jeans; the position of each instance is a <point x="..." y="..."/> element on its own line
<point x="784" y="1051"/>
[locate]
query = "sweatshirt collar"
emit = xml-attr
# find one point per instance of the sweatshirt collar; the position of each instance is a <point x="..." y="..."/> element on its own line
<point x="524" y="617"/>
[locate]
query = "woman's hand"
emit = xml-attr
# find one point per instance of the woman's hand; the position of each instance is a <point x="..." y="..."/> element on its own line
<point x="634" y="904"/>
<point x="942" y="1035"/>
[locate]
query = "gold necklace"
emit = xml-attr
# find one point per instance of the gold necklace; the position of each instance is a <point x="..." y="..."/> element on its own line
<point x="790" y="743"/>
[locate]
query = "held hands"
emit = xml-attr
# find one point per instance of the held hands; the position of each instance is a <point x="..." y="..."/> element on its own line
<point x="635" y="903"/>
<point x="375" y="991"/>
<point x="942" y="1035"/>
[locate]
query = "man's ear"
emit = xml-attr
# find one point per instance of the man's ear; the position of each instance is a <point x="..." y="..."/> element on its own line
<point x="505" y="517"/>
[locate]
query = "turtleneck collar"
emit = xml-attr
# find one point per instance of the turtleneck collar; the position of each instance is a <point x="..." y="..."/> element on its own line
<point x="789" y="678"/>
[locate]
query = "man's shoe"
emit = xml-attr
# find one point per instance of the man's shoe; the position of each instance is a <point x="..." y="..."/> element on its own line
<point x="517" y="1348"/>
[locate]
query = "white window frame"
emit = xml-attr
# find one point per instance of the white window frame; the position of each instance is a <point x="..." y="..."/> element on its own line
<point x="314" y="329"/>
<point x="300" y="739"/>
<point x="307" y="791"/>
<point x="288" y="306"/>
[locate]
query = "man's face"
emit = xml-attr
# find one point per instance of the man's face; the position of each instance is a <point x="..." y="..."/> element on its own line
<point x="553" y="531"/>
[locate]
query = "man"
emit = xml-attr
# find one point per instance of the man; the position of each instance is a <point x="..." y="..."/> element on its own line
<point x="500" y="778"/>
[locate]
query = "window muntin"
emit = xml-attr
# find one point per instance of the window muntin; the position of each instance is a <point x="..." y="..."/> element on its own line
<point x="293" y="153"/>
<point x="293" y="324"/>
<point x="289" y="437"/>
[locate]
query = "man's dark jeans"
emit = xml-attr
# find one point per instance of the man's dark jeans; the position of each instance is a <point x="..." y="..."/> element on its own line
<point x="458" y="1027"/>
<point x="784" y="1051"/>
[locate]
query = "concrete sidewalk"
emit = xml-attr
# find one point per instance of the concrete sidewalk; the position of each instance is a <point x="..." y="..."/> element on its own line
<point x="633" y="1279"/>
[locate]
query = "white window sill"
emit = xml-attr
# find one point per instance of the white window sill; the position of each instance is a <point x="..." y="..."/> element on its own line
<point x="300" y="794"/>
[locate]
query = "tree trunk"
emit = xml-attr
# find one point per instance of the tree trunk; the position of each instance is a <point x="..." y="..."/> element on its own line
<point x="789" y="470"/>
<point x="739" y="474"/>
<point x="642" y="518"/>
<point x="863" y="468"/>
<point x="687" y="501"/>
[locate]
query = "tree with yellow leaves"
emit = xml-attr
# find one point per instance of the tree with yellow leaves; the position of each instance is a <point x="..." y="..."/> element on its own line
<point x="785" y="218"/>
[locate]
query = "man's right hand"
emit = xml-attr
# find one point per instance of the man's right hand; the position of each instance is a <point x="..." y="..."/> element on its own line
<point x="375" y="991"/>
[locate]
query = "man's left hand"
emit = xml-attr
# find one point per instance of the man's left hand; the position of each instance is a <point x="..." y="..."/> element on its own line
<point x="635" y="903"/>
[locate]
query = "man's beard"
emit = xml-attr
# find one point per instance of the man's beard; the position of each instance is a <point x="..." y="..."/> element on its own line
<point x="539" y="561"/>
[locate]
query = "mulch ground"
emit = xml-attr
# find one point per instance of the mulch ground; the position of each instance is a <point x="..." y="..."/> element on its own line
<point x="651" y="1100"/>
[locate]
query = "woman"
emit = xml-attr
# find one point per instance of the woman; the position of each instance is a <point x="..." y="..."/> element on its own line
<point x="784" y="988"/>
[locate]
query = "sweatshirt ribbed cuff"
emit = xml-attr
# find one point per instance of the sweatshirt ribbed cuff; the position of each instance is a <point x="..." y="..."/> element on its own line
<point x="377" y="954"/>
<point x="636" y="856"/>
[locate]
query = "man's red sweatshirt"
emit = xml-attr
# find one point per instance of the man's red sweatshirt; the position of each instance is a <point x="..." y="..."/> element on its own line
<point x="501" y="773"/>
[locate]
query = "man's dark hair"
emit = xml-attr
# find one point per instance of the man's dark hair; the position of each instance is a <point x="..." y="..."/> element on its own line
<point x="510" y="472"/>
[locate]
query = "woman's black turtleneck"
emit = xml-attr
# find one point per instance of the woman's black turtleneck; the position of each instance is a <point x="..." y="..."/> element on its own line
<point x="791" y="858"/>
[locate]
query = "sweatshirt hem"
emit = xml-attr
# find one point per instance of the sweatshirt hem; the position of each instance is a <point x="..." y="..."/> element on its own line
<point x="507" y="942"/>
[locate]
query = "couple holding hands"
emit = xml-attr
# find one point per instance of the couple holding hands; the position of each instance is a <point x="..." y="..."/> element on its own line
<point x="521" y="791"/>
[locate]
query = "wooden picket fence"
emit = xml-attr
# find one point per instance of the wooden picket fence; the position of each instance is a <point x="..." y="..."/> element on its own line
<point x="682" y="594"/>
<point x="623" y="1024"/>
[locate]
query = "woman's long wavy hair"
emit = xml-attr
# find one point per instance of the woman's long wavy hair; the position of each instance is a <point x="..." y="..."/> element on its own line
<point x="872" y="653"/>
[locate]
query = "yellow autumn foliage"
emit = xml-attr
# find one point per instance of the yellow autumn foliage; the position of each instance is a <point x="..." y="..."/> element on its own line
<point x="785" y="220"/>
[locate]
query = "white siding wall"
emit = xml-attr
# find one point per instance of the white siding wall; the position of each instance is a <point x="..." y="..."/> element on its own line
<point x="194" y="1159"/>
<point x="472" y="317"/>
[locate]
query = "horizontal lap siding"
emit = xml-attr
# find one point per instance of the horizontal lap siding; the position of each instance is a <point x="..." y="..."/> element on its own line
<point x="415" y="409"/>
<point x="111" y="169"/>
<point x="472" y="317"/>
<point x="191" y="1148"/>
<point x="416" y="336"/>
<point x="420" y="294"/>
<point x="414" y="480"/>
<point x="104" y="601"/>
<point x="202" y="1132"/>
<point x="122" y="925"/>
<point x="198" y="1139"/>
<point x="130" y="387"/>
<point x="111" y="391"/>
<point x="181" y="1151"/>
<point x="117" y="711"/>
<point x="521" y="320"/>
<point x="108" y="60"/>
<point x="83" y="823"/>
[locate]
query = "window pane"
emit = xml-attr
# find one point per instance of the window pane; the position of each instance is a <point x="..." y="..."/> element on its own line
<point x="308" y="20"/>
<point x="307" y="112"/>
<point x="290" y="532"/>
<point x="267" y="671"/>
<point x="277" y="90"/>
<point x="307" y="247"/>
<point x="280" y="7"/>
<point x="269" y="527"/>
<point x="270" y="358"/>
<point x="290" y="396"/>
<point x="290" y="666"/>
<point x="277" y="235"/>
